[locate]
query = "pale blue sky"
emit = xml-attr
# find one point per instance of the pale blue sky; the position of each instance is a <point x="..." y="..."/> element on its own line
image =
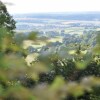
<point x="36" y="6"/>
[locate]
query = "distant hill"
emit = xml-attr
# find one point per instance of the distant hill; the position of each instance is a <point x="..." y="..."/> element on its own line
<point x="85" y="16"/>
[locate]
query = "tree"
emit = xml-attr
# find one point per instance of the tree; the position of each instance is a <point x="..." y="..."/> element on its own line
<point x="6" y="19"/>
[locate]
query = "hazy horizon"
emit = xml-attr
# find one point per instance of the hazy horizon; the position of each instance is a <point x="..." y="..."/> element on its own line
<point x="67" y="12"/>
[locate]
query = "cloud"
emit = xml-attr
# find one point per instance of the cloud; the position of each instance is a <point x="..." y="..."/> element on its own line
<point x="9" y="3"/>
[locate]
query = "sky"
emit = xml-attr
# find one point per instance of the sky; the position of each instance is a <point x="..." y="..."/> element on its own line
<point x="43" y="6"/>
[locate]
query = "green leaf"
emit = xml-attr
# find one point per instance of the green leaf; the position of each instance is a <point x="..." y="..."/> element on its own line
<point x="81" y="65"/>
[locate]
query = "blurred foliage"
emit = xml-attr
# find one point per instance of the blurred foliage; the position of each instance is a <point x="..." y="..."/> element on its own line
<point x="32" y="35"/>
<point x="43" y="76"/>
